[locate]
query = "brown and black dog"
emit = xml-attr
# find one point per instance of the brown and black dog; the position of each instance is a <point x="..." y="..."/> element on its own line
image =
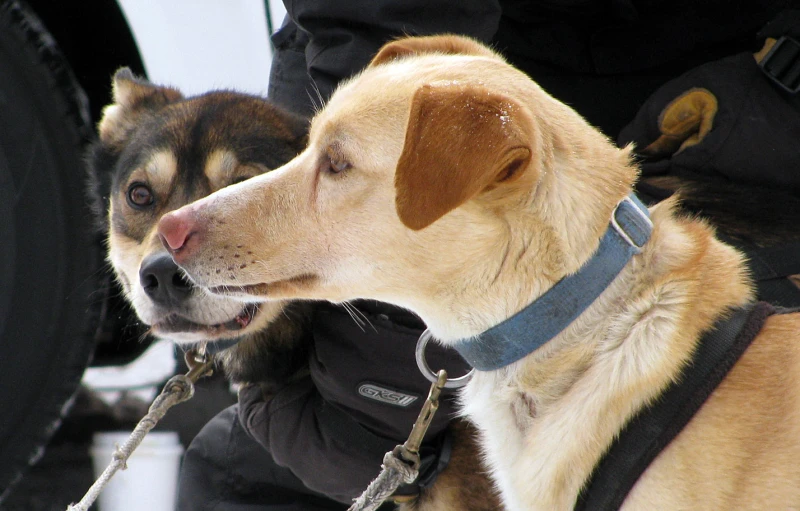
<point x="158" y="151"/>
<point x="444" y="180"/>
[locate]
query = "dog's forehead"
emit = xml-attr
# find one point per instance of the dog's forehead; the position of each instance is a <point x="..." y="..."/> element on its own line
<point x="249" y="127"/>
<point x="383" y="94"/>
<point x="367" y="105"/>
<point x="160" y="167"/>
<point x="362" y="106"/>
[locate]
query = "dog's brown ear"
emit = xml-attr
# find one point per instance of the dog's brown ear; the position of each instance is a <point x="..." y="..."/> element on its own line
<point x="460" y="140"/>
<point x="132" y="97"/>
<point x="447" y="44"/>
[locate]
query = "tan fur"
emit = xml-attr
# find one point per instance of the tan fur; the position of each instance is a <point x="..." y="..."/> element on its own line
<point x="222" y="167"/>
<point x="430" y="44"/>
<point x="377" y="230"/>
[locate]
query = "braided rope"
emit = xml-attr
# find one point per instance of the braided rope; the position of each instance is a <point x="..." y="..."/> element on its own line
<point x="394" y="472"/>
<point x="178" y="389"/>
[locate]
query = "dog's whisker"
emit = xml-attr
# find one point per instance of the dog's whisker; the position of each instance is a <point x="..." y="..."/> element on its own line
<point x="317" y="106"/>
<point x="347" y="307"/>
<point x="144" y="335"/>
<point x="364" y="316"/>
<point x="350" y="311"/>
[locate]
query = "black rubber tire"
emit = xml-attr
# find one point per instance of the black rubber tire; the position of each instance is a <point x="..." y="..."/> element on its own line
<point x="48" y="257"/>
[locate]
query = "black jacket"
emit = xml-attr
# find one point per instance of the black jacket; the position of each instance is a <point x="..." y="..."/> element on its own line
<point x="361" y="399"/>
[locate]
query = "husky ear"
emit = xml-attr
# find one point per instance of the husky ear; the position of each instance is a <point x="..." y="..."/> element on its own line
<point x="299" y="128"/>
<point x="132" y="97"/>
<point x="446" y="44"/>
<point x="460" y="141"/>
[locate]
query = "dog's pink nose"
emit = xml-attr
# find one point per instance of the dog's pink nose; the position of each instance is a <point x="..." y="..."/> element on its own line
<point x="177" y="229"/>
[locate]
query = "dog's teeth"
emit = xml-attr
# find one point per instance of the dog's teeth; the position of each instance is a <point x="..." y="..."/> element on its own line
<point x="244" y="318"/>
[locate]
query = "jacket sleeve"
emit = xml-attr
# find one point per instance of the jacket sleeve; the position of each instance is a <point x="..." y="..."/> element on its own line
<point x="329" y="451"/>
<point x="340" y="38"/>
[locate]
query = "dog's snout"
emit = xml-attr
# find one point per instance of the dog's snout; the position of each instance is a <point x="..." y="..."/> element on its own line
<point x="162" y="280"/>
<point x="178" y="232"/>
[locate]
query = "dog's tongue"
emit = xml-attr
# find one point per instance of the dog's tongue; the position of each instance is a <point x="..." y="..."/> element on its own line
<point x="177" y="323"/>
<point x="243" y="319"/>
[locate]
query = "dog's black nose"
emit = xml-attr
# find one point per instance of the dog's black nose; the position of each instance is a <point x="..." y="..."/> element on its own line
<point x="163" y="281"/>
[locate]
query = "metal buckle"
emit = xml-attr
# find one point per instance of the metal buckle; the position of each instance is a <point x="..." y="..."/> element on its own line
<point x="452" y="383"/>
<point x="621" y="231"/>
<point x="782" y="64"/>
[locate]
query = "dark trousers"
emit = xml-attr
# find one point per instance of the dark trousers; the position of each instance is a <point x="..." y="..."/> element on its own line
<point x="224" y="469"/>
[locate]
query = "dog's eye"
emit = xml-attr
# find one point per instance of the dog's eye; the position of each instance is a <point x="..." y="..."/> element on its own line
<point x="335" y="165"/>
<point x="339" y="165"/>
<point x="140" y="195"/>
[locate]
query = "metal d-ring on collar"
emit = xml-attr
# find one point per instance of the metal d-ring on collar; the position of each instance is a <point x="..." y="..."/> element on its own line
<point x="451" y="383"/>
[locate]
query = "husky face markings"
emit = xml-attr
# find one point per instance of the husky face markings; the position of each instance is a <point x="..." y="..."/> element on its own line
<point x="160" y="294"/>
<point x="159" y="151"/>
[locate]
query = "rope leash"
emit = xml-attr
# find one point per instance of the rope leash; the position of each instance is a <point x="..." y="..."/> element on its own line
<point x="401" y="465"/>
<point x="178" y="389"/>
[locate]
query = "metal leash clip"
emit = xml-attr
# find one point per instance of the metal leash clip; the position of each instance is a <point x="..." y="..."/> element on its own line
<point x="409" y="451"/>
<point x="425" y="369"/>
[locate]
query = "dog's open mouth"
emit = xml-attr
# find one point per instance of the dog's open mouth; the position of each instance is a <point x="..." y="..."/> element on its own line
<point x="178" y="324"/>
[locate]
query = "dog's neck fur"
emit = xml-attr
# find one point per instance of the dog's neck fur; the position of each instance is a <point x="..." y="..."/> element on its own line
<point x="647" y="304"/>
<point x="644" y="306"/>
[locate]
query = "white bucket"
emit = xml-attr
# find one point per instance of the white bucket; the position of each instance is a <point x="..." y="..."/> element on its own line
<point x="150" y="483"/>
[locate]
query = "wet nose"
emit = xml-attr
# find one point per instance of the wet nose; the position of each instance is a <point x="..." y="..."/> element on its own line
<point x="163" y="281"/>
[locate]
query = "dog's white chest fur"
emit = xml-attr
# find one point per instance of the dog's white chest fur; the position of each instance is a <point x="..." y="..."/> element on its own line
<point x="502" y="438"/>
<point x="526" y="453"/>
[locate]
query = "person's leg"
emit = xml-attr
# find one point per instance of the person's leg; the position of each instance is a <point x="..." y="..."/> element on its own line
<point x="226" y="470"/>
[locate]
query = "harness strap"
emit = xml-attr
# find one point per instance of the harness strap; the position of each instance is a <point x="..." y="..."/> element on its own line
<point x="771" y="267"/>
<point x="655" y="426"/>
<point x="773" y="262"/>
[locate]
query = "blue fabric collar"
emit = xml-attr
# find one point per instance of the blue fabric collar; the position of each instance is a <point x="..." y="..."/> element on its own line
<point x="533" y="326"/>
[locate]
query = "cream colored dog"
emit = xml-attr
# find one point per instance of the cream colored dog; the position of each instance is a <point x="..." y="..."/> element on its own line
<point x="443" y="180"/>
